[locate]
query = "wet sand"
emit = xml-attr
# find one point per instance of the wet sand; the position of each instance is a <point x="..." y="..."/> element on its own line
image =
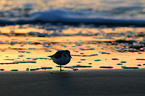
<point x="29" y="46"/>
<point x="116" y="82"/>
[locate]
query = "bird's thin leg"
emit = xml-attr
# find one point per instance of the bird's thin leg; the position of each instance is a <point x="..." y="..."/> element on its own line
<point x="60" y="67"/>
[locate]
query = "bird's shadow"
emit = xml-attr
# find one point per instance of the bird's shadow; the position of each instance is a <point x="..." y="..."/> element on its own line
<point x="64" y="80"/>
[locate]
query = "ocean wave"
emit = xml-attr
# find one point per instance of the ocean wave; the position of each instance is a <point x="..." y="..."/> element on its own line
<point x="69" y="16"/>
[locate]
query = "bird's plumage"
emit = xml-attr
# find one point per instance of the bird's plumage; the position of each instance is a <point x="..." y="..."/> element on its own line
<point x="61" y="57"/>
<point x="59" y="53"/>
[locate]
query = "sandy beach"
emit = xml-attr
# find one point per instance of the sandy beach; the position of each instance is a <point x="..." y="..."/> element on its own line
<point x="68" y="83"/>
<point x="106" y="40"/>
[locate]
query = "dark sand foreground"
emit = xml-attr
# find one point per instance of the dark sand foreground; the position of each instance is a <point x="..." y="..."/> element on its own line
<point x="80" y="83"/>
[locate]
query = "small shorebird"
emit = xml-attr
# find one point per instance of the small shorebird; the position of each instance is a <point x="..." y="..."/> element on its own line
<point x="61" y="57"/>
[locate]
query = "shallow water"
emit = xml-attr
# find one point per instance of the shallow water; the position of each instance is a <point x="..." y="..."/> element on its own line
<point x="28" y="46"/>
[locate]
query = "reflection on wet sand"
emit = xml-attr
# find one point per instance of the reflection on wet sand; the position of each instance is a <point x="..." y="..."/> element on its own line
<point x="27" y="47"/>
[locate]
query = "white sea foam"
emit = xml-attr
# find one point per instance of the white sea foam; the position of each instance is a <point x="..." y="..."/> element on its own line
<point x="69" y="16"/>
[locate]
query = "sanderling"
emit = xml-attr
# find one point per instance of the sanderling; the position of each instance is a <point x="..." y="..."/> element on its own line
<point x="61" y="57"/>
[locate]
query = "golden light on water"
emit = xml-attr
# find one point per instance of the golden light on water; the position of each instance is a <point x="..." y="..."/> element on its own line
<point x="82" y="49"/>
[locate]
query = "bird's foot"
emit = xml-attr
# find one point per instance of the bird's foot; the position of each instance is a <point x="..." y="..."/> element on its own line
<point x="61" y="70"/>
